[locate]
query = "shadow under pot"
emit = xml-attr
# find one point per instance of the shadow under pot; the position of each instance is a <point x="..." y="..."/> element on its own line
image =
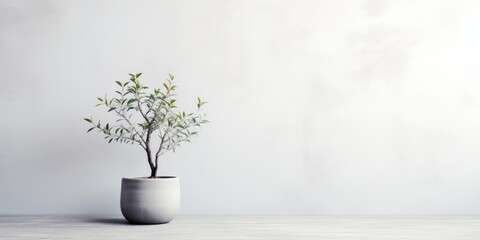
<point x="150" y="200"/>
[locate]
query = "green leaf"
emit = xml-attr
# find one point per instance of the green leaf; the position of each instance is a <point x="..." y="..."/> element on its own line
<point x="88" y="120"/>
<point x="107" y="126"/>
<point x="138" y="75"/>
<point x="111" y="139"/>
<point x="119" y="83"/>
<point x="131" y="75"/>
<point x="200" y="103"/>
<point x="171" y="76"/>
<point x="90" y="129"/>
<point x="131" y="101"/>
<point x="100" y="99"/>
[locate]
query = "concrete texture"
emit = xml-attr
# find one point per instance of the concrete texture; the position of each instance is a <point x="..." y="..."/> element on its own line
<point x="316" y="107"/>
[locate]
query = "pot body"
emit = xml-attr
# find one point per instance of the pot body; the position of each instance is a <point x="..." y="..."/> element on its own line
<point x="150" y="201"/>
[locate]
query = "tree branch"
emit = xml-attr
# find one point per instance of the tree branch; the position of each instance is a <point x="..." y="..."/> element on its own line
<point x="162" y="141"/>
<point x="133" y="127"/>
<point x="140" y="108"/>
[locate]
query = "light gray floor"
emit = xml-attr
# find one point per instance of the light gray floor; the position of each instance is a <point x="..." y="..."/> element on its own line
<point x="243" y="227"/>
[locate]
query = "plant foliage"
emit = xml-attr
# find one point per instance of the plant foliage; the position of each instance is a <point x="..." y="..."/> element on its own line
<point x="143" y="114"/>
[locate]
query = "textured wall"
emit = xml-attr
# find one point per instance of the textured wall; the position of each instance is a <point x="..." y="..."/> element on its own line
<point x="316" y="107"/>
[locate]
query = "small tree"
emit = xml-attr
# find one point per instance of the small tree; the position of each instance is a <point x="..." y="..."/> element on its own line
<point x="144" y="115"/>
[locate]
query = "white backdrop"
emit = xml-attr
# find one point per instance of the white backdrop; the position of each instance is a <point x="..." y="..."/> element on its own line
<point x="316" y="107"/>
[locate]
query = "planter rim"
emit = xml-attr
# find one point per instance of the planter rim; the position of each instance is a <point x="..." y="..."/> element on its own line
<point x="159" y="178"/>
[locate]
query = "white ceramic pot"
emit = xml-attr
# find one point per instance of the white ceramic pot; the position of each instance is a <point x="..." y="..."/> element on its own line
<point x="150" y="201"/>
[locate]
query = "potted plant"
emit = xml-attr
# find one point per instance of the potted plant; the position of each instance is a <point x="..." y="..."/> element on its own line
<point x="151" y="119"/>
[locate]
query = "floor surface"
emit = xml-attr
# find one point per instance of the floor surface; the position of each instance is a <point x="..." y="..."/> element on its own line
<point x="243" y="227"/>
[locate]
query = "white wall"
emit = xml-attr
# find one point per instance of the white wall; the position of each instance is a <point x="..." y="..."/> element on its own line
<point x="316" y="107"/>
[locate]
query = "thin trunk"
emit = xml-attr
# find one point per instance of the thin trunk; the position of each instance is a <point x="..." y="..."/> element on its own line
<point x="149" y="156"/>
<point x="154" y="173"/>
<point x="153" y="168"/>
